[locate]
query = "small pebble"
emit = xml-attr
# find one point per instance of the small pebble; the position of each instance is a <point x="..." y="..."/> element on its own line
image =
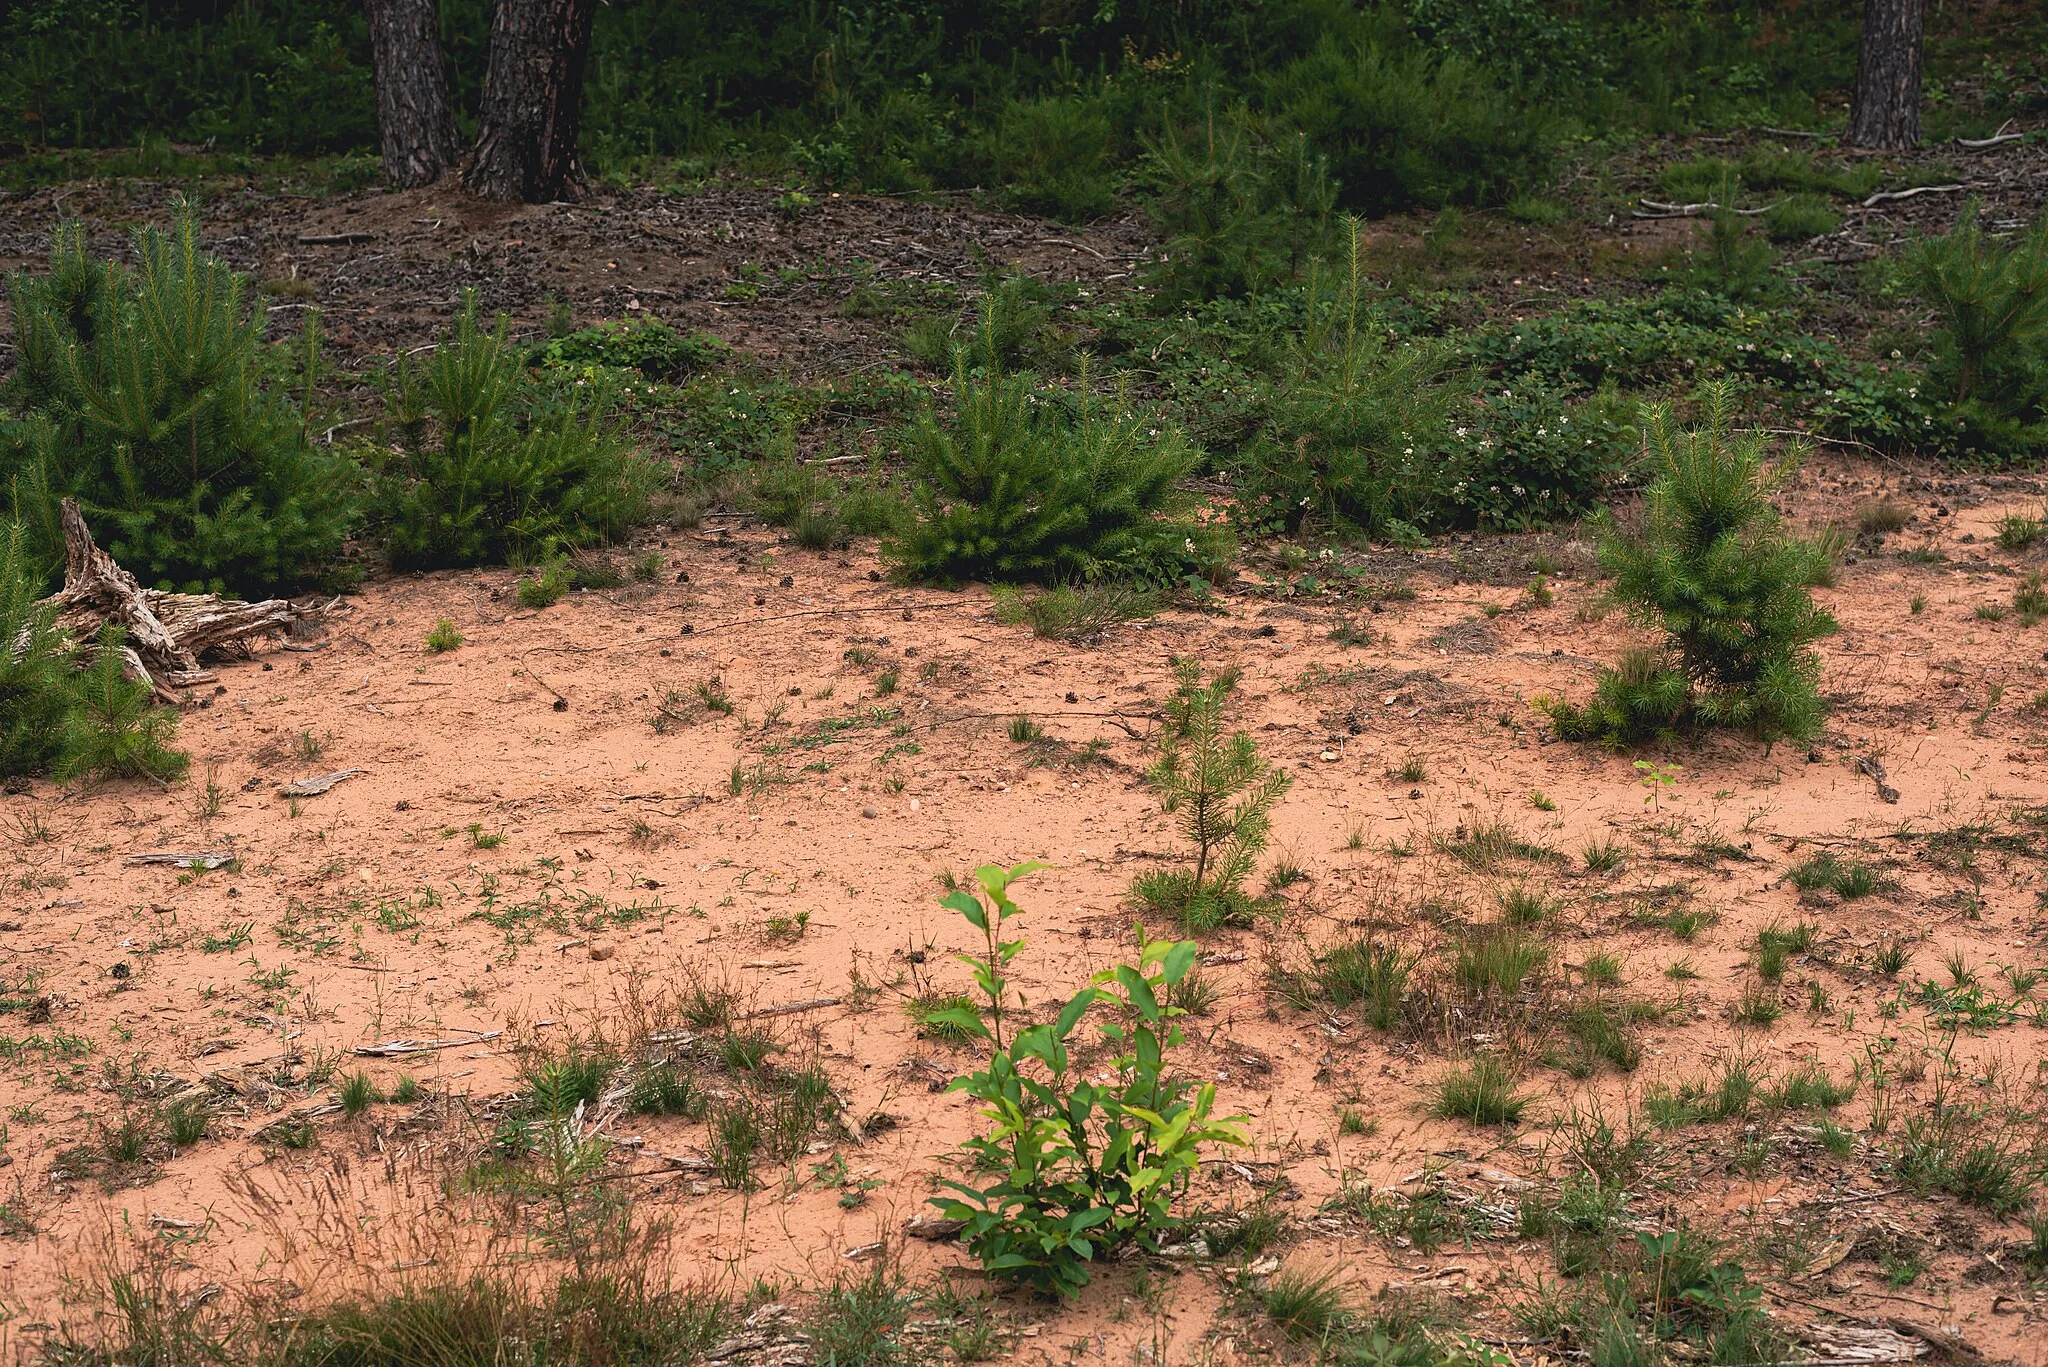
<point x="869" y="812"/>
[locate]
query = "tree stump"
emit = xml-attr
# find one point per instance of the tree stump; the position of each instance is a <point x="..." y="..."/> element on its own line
<point x="168" y="633"/>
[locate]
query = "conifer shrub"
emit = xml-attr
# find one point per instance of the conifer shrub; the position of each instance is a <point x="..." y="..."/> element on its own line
<point x="1356" y="427"/>
<point x="1015" y="488"/>
<point x="1243" y="208"/>
<point x="487" y="468"/>
<point x="35" y="665"/>
<point x="1405" y="126"/>
<point x="1991" y="350"/>
<point x="146" y="399"/>
<point x="1052" y="157"/>
<point x="1223" y="790"/>
<point x="58" y="719"/>
<point x="1711" y="565"/>
<point x="114" y="727"/>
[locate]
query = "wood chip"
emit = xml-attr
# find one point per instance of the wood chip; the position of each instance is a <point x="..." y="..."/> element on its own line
<point x="313" y="787"/>
<point x="335" y="239"/>
<point x="933" y="1228"/>
<point x="184" y="859"/>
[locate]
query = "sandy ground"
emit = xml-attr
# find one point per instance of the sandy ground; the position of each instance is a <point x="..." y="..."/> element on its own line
<point x="532" y="851"/>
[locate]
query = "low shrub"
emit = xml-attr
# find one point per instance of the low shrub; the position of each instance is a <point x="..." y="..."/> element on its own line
<point x="646" y="346"/>
<point x="1051" y="156"/>
<point x="1242" y="208"/>
<point x="1405" y="126"/>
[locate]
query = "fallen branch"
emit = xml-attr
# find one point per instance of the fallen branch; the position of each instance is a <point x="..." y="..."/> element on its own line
<point x="789" y="1008"/>
<point x="2001" y="136"/>
<point x="1885" y="196"/>
<point x="1661" y="210"/>
<point x="167" y="632"/>
<point x="399" y="1048"/>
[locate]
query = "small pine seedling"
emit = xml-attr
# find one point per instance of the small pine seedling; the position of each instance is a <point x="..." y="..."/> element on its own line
<point x="443" y="638"/>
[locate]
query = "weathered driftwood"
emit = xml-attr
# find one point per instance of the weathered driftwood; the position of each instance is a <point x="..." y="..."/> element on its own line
<point x="185" y="859"/>
<point x="168" y="633"/>
<point x="313" y="787"/>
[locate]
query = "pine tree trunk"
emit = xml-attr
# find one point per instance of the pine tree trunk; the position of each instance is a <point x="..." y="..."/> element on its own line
<point x="1887" y="109"/>
<point x="533" y="101"/>
<point x="415" y="122"/>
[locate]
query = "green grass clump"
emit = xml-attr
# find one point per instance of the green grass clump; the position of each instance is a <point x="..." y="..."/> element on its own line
<point x="1306" y="1305"/>
<point x="1482" y="1091"/>
<point x="1824" y="872"/>
<point x="1077" y="614"/>
<point x="1369" y="974"/>
<point x="1497" y="961"/>
<point x="665" y="1088"/>
<point x="1809" y="1088"/>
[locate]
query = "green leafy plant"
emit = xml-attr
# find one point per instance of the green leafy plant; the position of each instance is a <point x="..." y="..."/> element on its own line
<point x="1079" y="1168"/>
<point x="484" y="469"/>
<point x="647" y="346"/>
<point x="443" y="638"/>
<point x="1223" y="790"/>
<point x="146" y="401"/>
<point x="1710" y="565"/>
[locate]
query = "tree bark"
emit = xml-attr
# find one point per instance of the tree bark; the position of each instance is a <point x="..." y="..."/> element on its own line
<point x="1887" y="109"/>
<point x="533" y="101"/>
<point x="415" y="121"/>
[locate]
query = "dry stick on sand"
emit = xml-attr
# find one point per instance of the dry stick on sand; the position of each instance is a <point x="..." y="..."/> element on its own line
<point x="167" y="632"/>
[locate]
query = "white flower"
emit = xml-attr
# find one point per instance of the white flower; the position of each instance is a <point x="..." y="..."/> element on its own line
<point x="1188" y="545"/>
